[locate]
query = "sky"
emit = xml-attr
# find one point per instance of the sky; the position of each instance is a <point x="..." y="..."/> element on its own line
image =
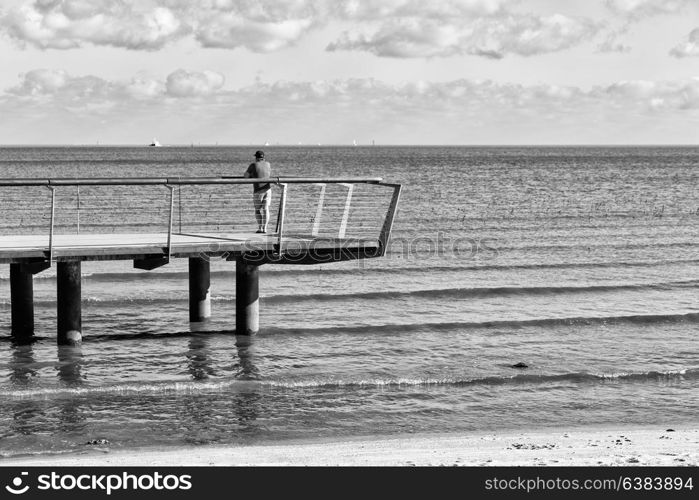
<point x="471" y="72"/>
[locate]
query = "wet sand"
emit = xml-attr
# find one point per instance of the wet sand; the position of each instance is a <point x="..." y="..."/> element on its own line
<point x="576" y="447"/>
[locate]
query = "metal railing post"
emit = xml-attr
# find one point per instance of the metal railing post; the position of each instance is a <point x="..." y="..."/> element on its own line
<point x="345" y="213"/>
<point x="280" y="219"/>
<point x="319" y="211"/>
<point x="390" y="216"/>
<point x="179" y="196"/>
<point x="53" y="218"/>
<point x="78" y="217"/>
<point x="172" y="209"/>
<point x="279" y="210"/>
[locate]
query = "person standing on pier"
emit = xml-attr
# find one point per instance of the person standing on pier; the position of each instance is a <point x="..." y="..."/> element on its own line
<point x="261" y="195"/>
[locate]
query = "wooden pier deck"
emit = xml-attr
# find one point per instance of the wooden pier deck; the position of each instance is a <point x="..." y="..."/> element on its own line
<point x="134" y="246"/>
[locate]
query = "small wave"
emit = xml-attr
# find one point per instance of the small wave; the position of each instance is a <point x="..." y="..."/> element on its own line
<point x="637" y="319"/>
<point x="576" y="377"/>
<point x="326" y="271"/>
<point x="479" y="292"/>
<point x="641" y="319"/>
<point x="184" y="387"/>
<point x="422" y="268"/>
<point x="494" y="248"/>
<point x="145" y="335"/>
<point x="196" y="387"/>
<point x="566" y="265"/>
<point x="108" y="303"/>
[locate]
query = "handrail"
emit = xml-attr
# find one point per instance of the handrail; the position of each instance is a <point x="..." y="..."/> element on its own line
<point x="134" y="181"/>
<point x="176" y="183"/>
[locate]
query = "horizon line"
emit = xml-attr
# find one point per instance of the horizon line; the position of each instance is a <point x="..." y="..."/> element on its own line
<point x="369" y="145"/>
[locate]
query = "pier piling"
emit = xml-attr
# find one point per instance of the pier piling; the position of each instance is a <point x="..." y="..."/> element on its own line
<point x="69" y="307"/>
<point x="22" y="300"/>
<point x="199" y="285"/>
<point x="247" y="298"/>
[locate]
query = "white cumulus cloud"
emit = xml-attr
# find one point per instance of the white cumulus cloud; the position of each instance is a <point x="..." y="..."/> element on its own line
<point x="65" y="24"/>
<point x="688" y="48"/>
<point x="652" y="95"/>
<point x="392" y="28"/>
<point x="182" y="83"/>
<point x="231" y="31"/>
<point x="60" y="87"/>
<point x="489" y="36"/>
<point x="41" y="81"/>
<point x="637" y="9"/>
<point x="457" y="111"/>
<point x="357" y="92"/>
<point x="261" y="25"/>
<point x="52" y="85"/>
<point x="363" y="10"/>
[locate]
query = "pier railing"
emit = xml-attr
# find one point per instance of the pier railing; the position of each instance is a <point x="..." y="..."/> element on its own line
<point x="315" y="208"/>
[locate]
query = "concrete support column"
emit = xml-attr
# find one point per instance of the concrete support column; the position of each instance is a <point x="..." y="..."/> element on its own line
<point x="199" y="285"/>
<point x="22" y="300"/>
<point x="247" y="298"/>
<point x="69" y="307"/>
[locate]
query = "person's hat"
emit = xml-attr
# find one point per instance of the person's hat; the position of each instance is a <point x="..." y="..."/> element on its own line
<point x="259" y="154"/>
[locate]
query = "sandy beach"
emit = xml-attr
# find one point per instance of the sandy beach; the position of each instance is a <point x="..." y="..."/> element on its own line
<point x="577" y="447"/>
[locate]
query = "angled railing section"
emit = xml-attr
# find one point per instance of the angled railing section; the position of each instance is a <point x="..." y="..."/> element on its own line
<point x="387" y="227"/>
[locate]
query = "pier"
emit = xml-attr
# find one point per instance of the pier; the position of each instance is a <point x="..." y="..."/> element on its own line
<point x="61" y="223"/>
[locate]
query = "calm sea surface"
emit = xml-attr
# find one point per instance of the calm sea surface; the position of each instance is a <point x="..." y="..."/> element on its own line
<point x="582" y="263"/>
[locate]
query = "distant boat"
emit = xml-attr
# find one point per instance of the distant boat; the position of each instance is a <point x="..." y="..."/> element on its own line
<point x="354" y="142"/>
<point x="155" y="143"/>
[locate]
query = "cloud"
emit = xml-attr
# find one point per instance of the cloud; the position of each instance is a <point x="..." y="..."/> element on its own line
<point x="633" y="11"/>
<point x="650" y="95"/>
<point x="492" y="37"/>
<point x="66" y="24"/>
<point x="188" y="106"/>
<point x="362" y="10"/>
<point x="689" y="48"/>
<point x="611" y="43"/>
<point x="56" y="86"/>
<point x="638" y="9"/>
<point x="183" y="83"/>
<point x="60" y="88"/>
<point x="231" y="31"/>
<point x="261" y="26"/>
<point x="41" y="81"/>
<point x="354" y="93"/>
<point x="391" y="28"/>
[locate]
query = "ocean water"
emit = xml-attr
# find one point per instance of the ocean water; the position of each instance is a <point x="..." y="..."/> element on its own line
<point x="581" y="262"/>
